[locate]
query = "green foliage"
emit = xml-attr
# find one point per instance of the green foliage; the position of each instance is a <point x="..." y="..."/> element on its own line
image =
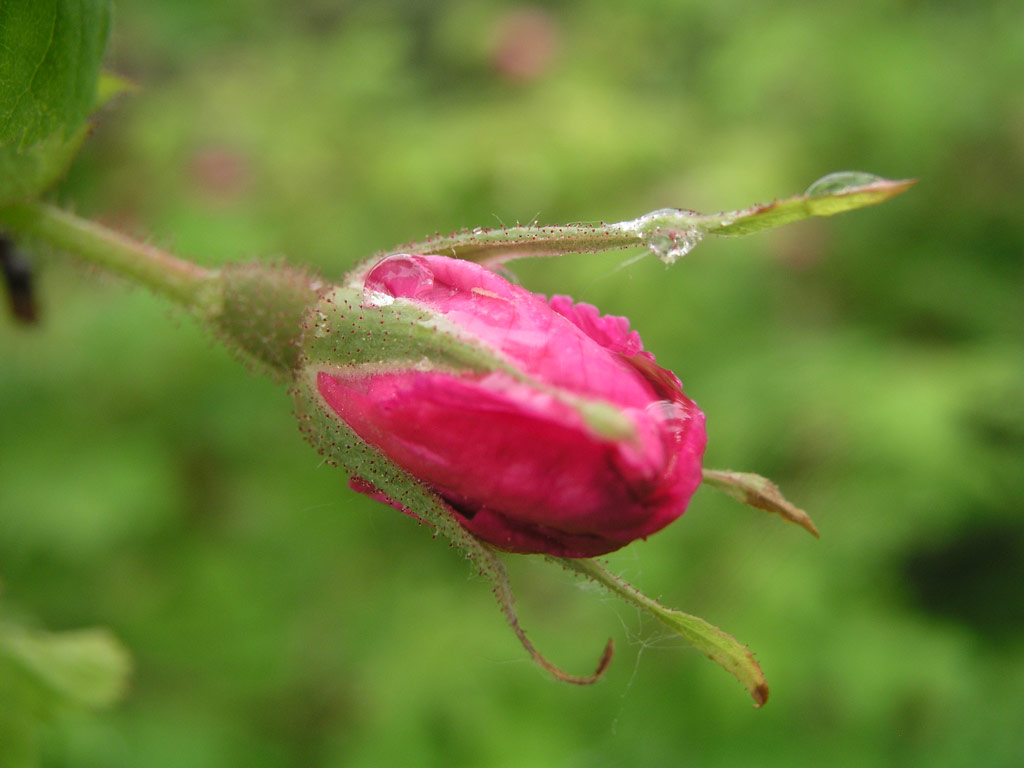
<point x="50" y="55"/>
<point x="870" y="364"/>
<point x="43" y="674"/>
<point x="87" y="667"/>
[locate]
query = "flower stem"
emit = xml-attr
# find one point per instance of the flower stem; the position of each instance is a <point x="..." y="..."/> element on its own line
<point x="256" y="310"/>
<point x="181" y="281"/>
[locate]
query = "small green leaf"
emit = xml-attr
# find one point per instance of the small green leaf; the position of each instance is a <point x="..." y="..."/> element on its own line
<point x="758" y="492"/>
<point x="110" y="86"/>
<point x="89" y="667"/>
<point x="829" y="195"/>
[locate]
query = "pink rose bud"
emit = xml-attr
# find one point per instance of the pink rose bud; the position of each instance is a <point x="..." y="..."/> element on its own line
<point x="544" y="425"/>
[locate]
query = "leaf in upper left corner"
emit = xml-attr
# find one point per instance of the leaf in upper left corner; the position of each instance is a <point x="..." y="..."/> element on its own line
<point x="50" y="57"/>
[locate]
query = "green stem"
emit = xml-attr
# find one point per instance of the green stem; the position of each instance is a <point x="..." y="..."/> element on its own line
<point x="181" y="281"/>
<point x="256" y="310"/>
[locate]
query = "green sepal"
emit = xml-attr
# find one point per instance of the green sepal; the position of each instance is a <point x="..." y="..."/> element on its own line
<point x="346" y="334"/>
<point x="342" y="448"/>
<point x="344" y="331"/>
<point x="760" y="493"/>
<point x="110" y="86"/>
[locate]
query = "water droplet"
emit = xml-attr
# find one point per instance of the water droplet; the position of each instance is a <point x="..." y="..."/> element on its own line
<point x="839" y="182"/>
<point x="669" y="233"/>
<point x="394" y="277"/>
<point x="320" y="330"/>
<point x="373" y="298"/>
<point x="672" y="415"/>
<point x="649" y="220"/>
<point x="670" y="245"/>
<point x="666" y="410"/>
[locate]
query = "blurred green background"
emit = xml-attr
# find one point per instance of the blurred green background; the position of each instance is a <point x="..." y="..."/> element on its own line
<point x="872" y="364"/>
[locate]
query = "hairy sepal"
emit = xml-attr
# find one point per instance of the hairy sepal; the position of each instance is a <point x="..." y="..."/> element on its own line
<point x="342" y="448"/>
<point x="342" y="331"/>
<point x="345" y="333"/>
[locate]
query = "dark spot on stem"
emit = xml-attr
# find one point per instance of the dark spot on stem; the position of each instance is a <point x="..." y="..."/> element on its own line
<point x="18" y="279"/>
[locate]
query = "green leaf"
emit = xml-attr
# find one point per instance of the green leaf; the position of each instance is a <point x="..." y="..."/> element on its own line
<point x="89" y="667"/>
<point x="50" y="53"/>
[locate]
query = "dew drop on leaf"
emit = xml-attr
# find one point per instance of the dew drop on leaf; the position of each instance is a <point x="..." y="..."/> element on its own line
<point x="398" y="275"/>
<point x="841" y="181"/>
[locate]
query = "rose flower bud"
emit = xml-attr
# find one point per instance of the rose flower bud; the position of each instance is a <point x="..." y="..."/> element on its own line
<point x="544" y="426"/>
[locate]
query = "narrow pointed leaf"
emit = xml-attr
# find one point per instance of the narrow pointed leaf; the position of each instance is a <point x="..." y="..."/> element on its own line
<point x="832" y="194"/>
<point x="721" y="648"/>
<point x="110" y="86"/>
<point x="758" y="492"/>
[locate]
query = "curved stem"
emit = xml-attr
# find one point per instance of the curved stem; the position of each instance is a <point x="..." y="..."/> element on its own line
<point x="495" y="569"/>
<point x="181" y="281"/>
